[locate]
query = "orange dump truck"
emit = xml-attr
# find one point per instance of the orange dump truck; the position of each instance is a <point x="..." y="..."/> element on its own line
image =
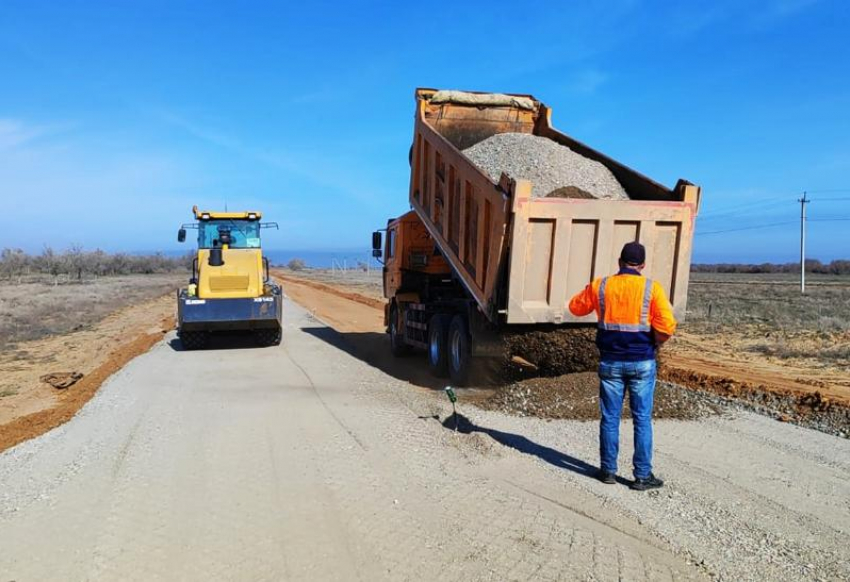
<point x="477" y="255"/>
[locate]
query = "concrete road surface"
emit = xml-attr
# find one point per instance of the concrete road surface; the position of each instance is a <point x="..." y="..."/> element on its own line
<point x="295" y="463"/>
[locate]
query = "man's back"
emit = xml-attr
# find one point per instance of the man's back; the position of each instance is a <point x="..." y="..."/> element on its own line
<point x="629" y="307"/>
<point x="634" y="316"/>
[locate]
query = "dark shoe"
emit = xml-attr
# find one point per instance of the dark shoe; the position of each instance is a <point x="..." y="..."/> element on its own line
<point x="606" y="477"/>
<point x="651" y="482"/>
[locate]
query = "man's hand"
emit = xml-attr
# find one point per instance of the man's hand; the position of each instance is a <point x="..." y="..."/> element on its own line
<point x="659" y="337"/>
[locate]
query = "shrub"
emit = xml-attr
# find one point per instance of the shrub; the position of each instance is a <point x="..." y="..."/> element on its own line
<point x="296" y="265"/>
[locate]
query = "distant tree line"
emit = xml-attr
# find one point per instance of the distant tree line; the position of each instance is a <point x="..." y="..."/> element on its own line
<point x="837" y="267"/>
<point x="76" y="263"/>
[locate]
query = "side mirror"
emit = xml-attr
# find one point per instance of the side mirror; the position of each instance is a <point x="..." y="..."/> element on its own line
<point x="181" y="235"/>
<point x="376" y="242"/>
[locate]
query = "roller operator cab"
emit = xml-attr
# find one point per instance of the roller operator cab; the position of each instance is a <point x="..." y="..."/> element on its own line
<point x="230" y="288"/>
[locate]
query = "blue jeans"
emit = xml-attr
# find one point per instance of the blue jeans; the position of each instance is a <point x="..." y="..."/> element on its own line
<point x="614" y="379"/>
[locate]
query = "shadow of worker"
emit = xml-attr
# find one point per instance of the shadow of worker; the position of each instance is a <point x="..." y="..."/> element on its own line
<point x="523" y="445"/>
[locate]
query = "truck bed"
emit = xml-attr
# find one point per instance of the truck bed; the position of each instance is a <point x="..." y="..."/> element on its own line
<point x="522" y="257"/>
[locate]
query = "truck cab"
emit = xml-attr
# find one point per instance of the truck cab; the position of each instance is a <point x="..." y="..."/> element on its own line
<point x="410" y="256"/>
<point x="423" y="295"/>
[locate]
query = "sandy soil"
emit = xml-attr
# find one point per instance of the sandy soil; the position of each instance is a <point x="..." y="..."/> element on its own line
<point x="32" y="407"/>
<point x="721" y="356"/>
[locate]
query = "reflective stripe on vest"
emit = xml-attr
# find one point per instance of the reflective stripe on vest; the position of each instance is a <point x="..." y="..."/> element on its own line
<point x="632" y="327"/>
<point x="602" y="300"/>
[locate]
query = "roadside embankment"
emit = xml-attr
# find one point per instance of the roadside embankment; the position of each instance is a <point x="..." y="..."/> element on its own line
<point x="118" y="329"/>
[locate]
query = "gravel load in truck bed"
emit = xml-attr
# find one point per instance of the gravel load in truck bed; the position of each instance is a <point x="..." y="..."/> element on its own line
<point x="554" y="170"/>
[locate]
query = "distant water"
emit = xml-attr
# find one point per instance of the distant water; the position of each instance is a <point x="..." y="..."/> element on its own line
<point x="323" y="259"/>
<point x="343" y="258"/>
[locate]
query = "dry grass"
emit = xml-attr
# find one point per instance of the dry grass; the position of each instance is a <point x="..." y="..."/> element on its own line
<point x="38" y="308"/>
<point x="774" y="300"/>
<point x="775" y="319"/>
<point x="368" y="283"/>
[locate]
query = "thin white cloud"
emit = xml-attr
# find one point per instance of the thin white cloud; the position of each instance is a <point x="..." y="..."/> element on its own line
<point x="686" y="22"/>
<point x="15" y="133"/>
<point x="782" y="8"/>
<point x="777" y="11"/>
<point x="586" y="82"/>
<point x="317" y="174"/>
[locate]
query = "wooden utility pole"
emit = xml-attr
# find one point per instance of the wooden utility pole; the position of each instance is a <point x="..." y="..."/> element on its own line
<point x="803" y="201"/>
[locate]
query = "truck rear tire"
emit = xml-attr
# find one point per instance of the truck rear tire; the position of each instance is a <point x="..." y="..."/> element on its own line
<point x="438" y="335"/>
<point x="460" y="351"/>
<point x="397" y="345"/>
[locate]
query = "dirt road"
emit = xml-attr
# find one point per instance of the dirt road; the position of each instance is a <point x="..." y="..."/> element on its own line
<point x="748" y="497"/>
<point x="296" y="462"/>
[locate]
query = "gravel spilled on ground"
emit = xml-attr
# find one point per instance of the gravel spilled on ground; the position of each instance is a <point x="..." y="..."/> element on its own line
<point x="552" y="374"/>
<point x="554" y="170"/>
<point x="810" y="410"/>
<point x="550" y="353"/>
<point x="576" y="397"/>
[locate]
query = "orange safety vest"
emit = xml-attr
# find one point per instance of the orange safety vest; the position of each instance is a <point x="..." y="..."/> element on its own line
<point x="628" y="306"/>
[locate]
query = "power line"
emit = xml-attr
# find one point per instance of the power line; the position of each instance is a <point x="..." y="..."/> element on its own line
<point x="739" y="207"/>
<point x="772" y="201"/>
<point x="828" y="219"/>
<point x="760" y="226"/>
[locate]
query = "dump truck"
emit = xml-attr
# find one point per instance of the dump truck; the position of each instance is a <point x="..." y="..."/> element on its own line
<point x="478" y="256"/>
<point x="230" y="288"/>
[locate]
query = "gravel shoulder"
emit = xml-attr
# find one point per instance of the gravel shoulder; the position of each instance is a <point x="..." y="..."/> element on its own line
<point x="746" y="496"/>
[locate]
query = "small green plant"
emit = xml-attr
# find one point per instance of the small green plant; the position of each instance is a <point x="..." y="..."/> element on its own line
<point x="8" y="392"/>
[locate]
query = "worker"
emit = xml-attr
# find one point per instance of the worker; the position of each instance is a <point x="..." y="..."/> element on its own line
<point x="634" y="319"/>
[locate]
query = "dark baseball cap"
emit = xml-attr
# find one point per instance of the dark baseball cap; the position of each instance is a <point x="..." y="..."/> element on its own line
<point x="633" y="253"/>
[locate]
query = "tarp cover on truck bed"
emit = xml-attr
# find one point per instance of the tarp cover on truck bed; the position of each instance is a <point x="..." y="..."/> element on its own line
<point x="482" y="99"/>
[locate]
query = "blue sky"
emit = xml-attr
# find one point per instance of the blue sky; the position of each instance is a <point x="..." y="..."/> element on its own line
<point x="115" y="118"/>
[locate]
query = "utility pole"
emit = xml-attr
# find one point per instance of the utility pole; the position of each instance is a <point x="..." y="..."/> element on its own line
<point x="803" y="201"/>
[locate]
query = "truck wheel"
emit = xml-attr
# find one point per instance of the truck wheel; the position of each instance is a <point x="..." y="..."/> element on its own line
<point x="397" y="345"/>
<point x="438" y="336"/>
<point x="460" y="351"/>
<point x="193" y="340"/>
<point x="268" y="337"/>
